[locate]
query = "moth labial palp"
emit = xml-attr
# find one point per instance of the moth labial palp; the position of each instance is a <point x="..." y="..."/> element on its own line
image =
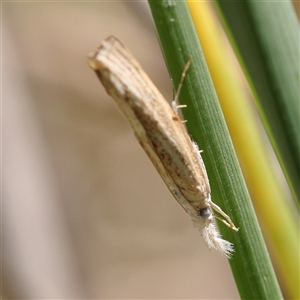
<point x="160" y="132"/>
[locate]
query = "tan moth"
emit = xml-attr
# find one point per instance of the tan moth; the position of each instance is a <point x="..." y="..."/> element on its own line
<point x="162" y="135"/>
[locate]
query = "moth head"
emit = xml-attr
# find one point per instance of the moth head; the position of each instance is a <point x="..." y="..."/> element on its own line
<point x="205" y="213"/>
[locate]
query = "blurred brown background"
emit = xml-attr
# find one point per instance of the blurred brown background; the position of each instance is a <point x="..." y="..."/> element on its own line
<point x="84" y="212"/>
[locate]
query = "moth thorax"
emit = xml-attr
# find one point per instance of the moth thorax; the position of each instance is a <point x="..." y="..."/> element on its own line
<point x="205" y="212"/>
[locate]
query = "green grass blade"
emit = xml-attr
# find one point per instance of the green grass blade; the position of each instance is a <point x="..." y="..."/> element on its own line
<point x="266" y="38"/>
<point x="265" y="187"/>
<point x="251" y="266"/>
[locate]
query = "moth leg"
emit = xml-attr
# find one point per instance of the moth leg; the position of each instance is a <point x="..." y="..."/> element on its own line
<point x="221" y="212"/>
<point x="175" y="105"/>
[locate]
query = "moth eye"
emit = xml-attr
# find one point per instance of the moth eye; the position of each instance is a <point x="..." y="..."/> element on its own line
<point x="205" y="213"/>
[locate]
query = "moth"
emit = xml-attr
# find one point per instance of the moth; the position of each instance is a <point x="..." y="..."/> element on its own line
<point x="161" y="133"/>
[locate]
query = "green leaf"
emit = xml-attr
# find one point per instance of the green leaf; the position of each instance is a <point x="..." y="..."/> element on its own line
<point x="251" y="266"/>
<point x="266" y="38"/>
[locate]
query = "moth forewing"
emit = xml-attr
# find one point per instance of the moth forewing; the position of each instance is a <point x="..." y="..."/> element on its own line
<point x="162" y="135"/>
